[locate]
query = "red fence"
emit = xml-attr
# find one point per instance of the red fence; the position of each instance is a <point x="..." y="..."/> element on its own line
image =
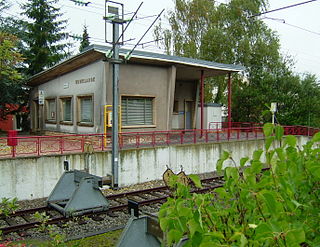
<point x="68" y="144"/>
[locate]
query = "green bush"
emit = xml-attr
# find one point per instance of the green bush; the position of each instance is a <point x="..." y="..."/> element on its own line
<point x="276" y="207"/>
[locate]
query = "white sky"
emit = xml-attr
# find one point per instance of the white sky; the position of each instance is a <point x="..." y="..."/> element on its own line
<point x="301" y="45"/>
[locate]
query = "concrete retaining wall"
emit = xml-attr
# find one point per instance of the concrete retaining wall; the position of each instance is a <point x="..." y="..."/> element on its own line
<point x="30" y="178"/>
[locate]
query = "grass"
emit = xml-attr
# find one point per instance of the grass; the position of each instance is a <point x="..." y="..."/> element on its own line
<point x="108" y="239"/>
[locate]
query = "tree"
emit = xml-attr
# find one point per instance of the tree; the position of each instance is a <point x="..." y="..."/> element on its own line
<point x="228" y="33"/>
<point x="10" y="78"/>
<point x="85" y="39"/>
<point x="45" y="35"/>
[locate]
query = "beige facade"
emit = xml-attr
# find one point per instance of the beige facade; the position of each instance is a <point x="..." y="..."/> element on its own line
<point x="156" y="92"/>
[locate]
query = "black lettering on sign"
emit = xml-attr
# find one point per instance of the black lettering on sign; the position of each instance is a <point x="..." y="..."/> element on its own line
<point x="91" y="79"/>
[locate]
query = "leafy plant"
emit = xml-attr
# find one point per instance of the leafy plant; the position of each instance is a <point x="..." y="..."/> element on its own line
<point x="8" y="206"/>
<point x="277" y="206"/>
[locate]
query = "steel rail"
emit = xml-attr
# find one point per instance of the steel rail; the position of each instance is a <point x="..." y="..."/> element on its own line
<point x="58" y="219"/>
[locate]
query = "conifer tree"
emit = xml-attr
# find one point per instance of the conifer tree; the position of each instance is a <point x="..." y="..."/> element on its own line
<point x="45" y="39"/>
<point x="85" y="39"/>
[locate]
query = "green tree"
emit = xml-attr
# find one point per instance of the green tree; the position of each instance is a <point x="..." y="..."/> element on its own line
<point x="10" y="79"/>
<point x="228" y="33"/>
<point x="85" y="39"/>
<point x="45" y="36"/>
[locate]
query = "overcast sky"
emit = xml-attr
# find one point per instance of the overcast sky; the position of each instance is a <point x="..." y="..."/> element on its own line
<point x="298" y="27"/>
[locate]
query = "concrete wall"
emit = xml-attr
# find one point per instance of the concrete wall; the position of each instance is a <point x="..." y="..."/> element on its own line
<point x="31" y="178"/>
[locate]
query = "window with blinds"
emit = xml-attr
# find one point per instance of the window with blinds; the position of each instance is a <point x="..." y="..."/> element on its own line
<point x="66" y="109"/>
<point x="136" y="111"/>
<point x="85" y="109"/>
<point x="51" y="109"/>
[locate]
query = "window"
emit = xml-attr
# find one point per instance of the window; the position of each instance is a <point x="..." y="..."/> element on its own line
<point x="66" y="109"/>
<point x="137" y="111"/>
<point x="85" y="110"/>
<point x="51" y="110"/>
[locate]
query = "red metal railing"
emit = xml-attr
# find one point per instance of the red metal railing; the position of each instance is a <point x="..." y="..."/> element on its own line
<point x="68" y="144"/>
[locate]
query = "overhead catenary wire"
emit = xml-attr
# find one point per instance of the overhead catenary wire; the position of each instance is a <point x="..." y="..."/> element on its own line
<point x="282" y="8"/>
<point x="283" y="21"/>
<point x="129" y="54"/>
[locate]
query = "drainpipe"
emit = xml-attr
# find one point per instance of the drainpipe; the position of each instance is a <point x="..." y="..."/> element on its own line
<point x="229" y="104"/>
<point x="202" y="98"/>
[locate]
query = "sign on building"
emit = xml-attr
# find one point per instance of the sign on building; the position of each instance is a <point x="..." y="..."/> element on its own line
<point x="41" y="97"/>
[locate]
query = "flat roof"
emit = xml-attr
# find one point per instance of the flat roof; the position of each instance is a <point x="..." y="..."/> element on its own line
<point x="186" y="67"/>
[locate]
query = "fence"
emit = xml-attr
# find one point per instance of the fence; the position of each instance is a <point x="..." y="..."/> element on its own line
<point x="67" y="144"/>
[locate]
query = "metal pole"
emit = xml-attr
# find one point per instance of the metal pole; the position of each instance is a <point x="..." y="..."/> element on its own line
<point x="202" y="99"/>
<point x="229" y="104"/>
<point x="115" y="102"/>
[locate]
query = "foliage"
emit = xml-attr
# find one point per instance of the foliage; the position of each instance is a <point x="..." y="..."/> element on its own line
<point x="10" y="78"/>
<point x="8" y="206"/>
<point x="276" y="207"/>
<point x="228" y="33"/>
<point x="45" y="35"/>
<point x="85" y="39"/>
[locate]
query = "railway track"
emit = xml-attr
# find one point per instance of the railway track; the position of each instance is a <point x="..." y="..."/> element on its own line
<point x="23" y="220"/>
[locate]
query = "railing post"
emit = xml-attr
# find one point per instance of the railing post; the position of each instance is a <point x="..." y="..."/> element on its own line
<point x="38" y="145"/>
<point x="82" y="143"/>
<point x="181" y="137"/>
<point x="153" y="139"/>
<point x="168" y="138"/>
<point x="218" y="138"/>
<point x="207" y="139"/>
<point x="61" y="144"/>
<point x="13" y="148"/>
<point x="137" y="141"/>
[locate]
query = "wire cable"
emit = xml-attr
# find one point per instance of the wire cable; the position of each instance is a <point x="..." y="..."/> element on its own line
<point x="282" y="8"/>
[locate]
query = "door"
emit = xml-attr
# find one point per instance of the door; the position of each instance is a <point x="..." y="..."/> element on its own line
<point x="188" y="114"/>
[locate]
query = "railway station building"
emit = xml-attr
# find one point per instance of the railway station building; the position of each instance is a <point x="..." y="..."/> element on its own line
<point x="157" y="92"/>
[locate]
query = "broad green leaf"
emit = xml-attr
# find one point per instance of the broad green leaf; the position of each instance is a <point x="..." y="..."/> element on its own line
<point x="184" y="212"/>
<point x="217" y="235"/>
<point x="295" y="237"/>
<point x="196" y="180"/>
<point x="174" y="236"/>
<point x="219" y="165"/>
<point x="291" y="141"/>
<point x="280" y="154"/>
<point x="257" y="154"/>
<point x="263" y="231"/>
<point x="193" y="226"/>
<point x="267" y="129"/>
<point x="256" y="166"/>
<point x="243" y="240"/>
<point x="243" y="161"/>
<point x="268" y="142"/>
<point x="279" y="131"/>
<point x="164" y="224"/>
<point x="316" y="137"/>
<point x="225" y="155"/>
<point x="208" y="244"/>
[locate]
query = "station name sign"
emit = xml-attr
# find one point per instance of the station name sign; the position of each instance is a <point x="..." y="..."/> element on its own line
<point x="86" y="80"/>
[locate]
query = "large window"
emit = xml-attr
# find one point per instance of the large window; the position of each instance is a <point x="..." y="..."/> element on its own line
<point x="66" y="110"/>
<point x="85" y="110"/>
<point x="137" y="110"/>
<point x="51" y="110"/>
